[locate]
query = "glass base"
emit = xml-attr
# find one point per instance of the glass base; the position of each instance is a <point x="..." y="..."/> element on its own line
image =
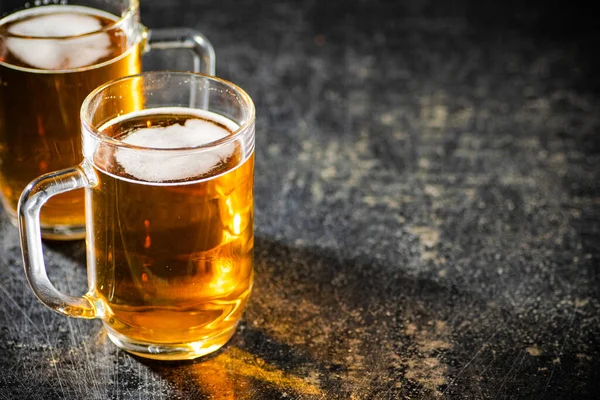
<point x="60" y="232"/>
<point x="171" y="351"/>
<point x="63" y="232"/>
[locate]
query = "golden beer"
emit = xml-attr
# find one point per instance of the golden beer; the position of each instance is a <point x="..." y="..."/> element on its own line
<point x="170" y="238"/>
<point x="45" y="74"/>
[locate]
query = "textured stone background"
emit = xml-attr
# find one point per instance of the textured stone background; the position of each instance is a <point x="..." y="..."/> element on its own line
<point x="427" y="212"/>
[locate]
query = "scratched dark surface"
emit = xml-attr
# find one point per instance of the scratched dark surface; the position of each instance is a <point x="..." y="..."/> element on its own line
<point x="427" y="212"/>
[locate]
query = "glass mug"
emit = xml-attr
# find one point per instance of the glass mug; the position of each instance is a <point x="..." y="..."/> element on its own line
<point x="168" y="164"/>
<point x="51" y="57"/>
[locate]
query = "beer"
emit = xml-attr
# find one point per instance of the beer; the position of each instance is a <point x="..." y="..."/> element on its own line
<point x="51" y="58"/>
<point x="170" y="236"/>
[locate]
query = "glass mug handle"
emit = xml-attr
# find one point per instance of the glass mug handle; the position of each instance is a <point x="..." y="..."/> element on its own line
<point x="33" y="198"/>
<point x="184" y="38"/>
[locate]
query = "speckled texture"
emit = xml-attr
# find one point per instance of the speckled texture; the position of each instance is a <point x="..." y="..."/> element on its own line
<point x="427" y="212"/>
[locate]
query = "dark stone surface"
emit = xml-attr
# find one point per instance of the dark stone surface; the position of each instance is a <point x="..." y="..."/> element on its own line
<point x="427" y="212"/>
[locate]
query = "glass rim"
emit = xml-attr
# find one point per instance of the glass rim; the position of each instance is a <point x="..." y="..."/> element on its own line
<point x="131" y="11"/>
<point x="243" y="127"/>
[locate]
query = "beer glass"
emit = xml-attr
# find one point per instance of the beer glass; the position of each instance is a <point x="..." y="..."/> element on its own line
<point x="168" y="161"/>
<point x="51" y="57"/>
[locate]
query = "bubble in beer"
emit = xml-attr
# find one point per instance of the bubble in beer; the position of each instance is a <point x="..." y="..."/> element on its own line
<point x="154" y="166"/>
<point x="56" y="54"/>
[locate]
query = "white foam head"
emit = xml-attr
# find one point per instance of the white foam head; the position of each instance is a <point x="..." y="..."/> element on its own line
<point x="58" y="54"/>
<point x="155" y="166"/>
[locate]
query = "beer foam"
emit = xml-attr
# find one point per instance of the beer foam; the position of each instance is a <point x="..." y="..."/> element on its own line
<point x="57" y="54"/>
<point x="154" y="166"/>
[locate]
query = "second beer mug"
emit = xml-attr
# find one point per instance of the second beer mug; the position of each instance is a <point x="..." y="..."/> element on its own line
<point x="168" y="175"/>
<point x="51" y="58"/>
